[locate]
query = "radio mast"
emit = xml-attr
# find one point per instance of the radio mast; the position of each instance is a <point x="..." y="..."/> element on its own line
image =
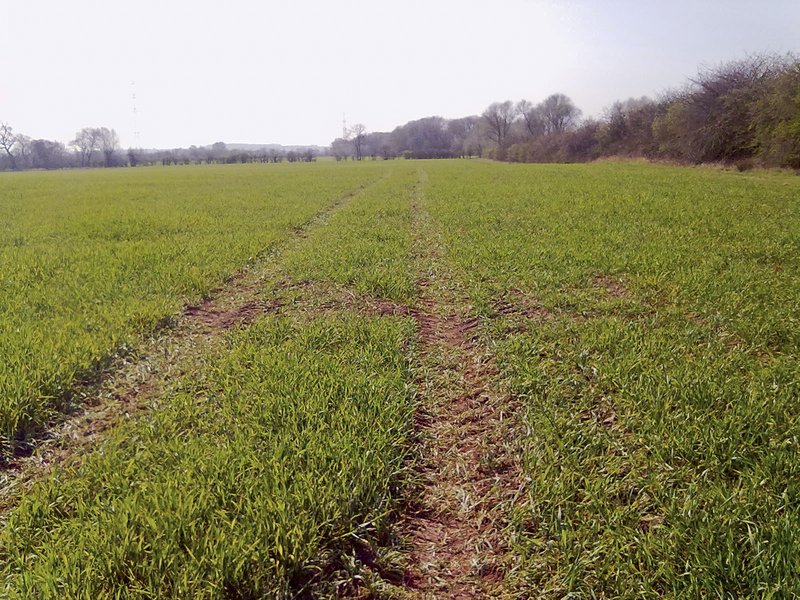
<point x="136" y="143"/>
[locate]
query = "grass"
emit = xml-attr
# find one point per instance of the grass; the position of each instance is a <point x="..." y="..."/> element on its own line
<point x="655" y="345"/>
<point x="366" y="246"/>
<point x="250" y="482"/>
<point x="92" y="259"/>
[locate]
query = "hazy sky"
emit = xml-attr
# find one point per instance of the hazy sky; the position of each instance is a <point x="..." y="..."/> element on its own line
<point x="284" y="71"/>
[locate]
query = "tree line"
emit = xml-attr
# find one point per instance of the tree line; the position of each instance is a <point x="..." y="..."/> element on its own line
<point x="92" y="146"/>
<point x="220" y="154"/>
<point x="100" y="147"/>
<point x="744" y="112"/>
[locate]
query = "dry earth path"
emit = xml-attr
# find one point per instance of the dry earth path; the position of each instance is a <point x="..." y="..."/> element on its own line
<point x="469" y="471"/>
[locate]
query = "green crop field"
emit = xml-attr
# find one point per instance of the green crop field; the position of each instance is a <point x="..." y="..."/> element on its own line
<point x="90" y="259"/>
<point x="658" y="363"/>
<point x="645" y="320"/>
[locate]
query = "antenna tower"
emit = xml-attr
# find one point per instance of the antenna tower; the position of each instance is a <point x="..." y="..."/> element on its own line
<point x="136" y="143"/>
<point x="344" y="127"/>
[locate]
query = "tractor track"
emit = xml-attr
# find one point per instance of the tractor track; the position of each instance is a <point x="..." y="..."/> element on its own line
<point x="469" y="472"/>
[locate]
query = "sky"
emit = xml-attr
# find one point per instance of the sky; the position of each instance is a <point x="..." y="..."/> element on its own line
<point x="286" y="72"/>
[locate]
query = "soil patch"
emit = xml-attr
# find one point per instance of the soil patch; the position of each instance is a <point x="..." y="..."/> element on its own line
<point x="614" y="287"/>
<point x="454" y="528"/>
<point x="213" y="317"/>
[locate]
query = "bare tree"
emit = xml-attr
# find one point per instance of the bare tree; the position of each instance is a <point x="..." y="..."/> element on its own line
<point x="86" y="144"/>
<point x="109" y="143"/>
<point x="357" y="134"/>
<point x="533" y="118"/>
<point x="23" y="150"/>
<point x="463" y="131"/>
<point x="7" y="141"/>
<point x="429" y="137"/>
<point x="559" y="113"/>
<point x="46" y="154"/>
<point x="719" y="106"/>
<point x="499" y="117"/>
<point x="628" y="127"/>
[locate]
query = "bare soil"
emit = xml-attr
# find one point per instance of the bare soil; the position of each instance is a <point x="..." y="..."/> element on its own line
<point x="468" y="471"/>
<point x="614" y="287"/>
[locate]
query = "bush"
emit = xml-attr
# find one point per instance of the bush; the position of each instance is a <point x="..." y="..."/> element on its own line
<point x="777" y="120"/>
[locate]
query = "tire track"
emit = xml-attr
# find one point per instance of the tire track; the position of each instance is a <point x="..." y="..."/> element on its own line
<point x="469" y="470"/>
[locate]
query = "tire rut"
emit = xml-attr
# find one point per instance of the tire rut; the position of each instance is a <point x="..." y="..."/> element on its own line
<point x="469" y="472"/>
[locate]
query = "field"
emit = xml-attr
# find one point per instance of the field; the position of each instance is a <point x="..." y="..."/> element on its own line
<point x="92" y="258"/>
<point x="255" y="381"/>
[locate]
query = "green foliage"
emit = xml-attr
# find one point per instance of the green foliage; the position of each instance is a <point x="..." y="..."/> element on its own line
<point x="366" y="245"/>
<point x="777" y="122"/>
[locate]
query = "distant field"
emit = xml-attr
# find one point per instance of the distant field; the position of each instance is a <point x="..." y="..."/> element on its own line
<point x="645" y="318"/>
